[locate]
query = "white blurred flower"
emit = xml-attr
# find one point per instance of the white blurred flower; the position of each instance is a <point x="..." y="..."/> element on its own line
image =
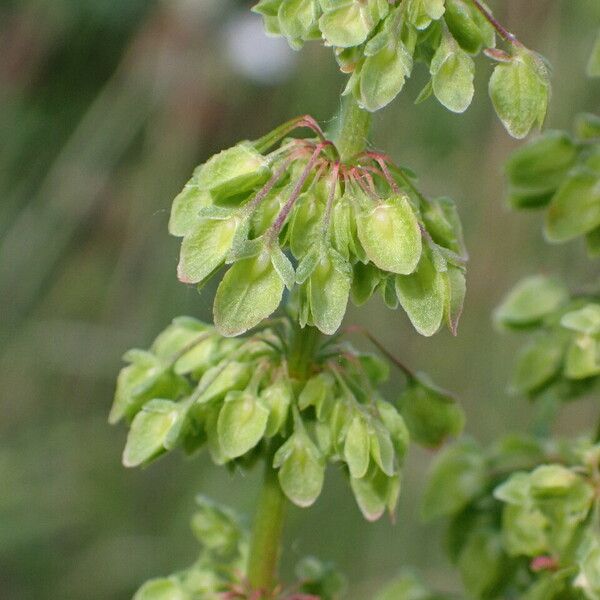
<point x="262" y="59"/>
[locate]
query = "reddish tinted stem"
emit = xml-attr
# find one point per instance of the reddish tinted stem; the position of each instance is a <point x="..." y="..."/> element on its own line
<point x="285" y="211"/>
<point x="502" y="31"/>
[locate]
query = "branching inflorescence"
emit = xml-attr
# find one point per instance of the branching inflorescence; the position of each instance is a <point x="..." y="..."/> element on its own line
<point x="329" y="219"/>
<point x="378" y="42"/>
<point x="300" y="218"/>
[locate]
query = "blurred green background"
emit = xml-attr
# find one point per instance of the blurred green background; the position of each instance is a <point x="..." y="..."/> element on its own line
<point x="105" y="108"/>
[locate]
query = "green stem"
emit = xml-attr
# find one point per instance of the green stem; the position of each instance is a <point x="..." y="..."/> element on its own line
<point x="303" y="347"/>
<point x="351" y="129"/>
<point x="268" y="520"/>
<point x="350" y="135"/>
<point x="266" y="533"/>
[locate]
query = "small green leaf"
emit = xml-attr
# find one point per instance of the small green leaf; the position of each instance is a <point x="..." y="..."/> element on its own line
<point x="366" y="278"/>
<point x="233" y="171"/>
<point x="519" y="90"/>
<point x="216" y="528"/>
<point x="373" y="491"/>
<point x="177" y="336"/>
<point x="391" y="236"/>
<point x="219" y="380"/>
<point x="524" y="530"/>
<point x="431" y="414"/>
<point x="342" y="227"/>
<point x="205" y="247"/>
<point x="339" y="421"/>
<point x="468" y="27"/>
<point x="267" y="8"/>
<point x="575" y="208"/>
<point x="457" y="477"/>
<point x="456" y="289"/>
<point x="406" y="587"/>
<point x="382" y="449"/>
<point x="200" y="357"/>
<point x="515" y="490"/>
<point x="250" y="291"/>
<point x="423" y="296"/>
<point x="305" y="224"/>
<point x="329" y="288"/>
<point x="421" y="12"/>
<point x="584" y="320"/>
<point x="540" y="166"/>
<point x="376" y="368"/>
<point x="316" y="390"/>
<point x="347" y="25"/>
<point x="382" y="76"/>
<point x="551" y="480"/>
<point x="185" y="208"/>
<point x="298" y="20"/>
<point x="277" y="398"/>
<point x="145" y="379"/>
<point x="531" y="300"/>
<point x="425" y="93"/>
<point x="283" y="266"/>
<point x="149" y="431"/>
<point x="320" y="579"/>
<point x="301" y="469"/>
<point x="443" y="224"/>
<point x="452" y="71"/>
<point x="583" y="358"/>
<point x="589" y="564"/>
<point x="242" y="423"/>
<point x="394" y="423"/>
<point x="356" y="448"/>
<point x="483" y="563"/>
<point x="307" y="265"/>
<point x="537" y="364"/>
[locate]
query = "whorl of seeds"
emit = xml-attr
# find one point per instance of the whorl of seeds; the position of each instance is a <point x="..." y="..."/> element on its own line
<point x="379" y="43"/>
<point x="194" y="388"/>
<point x="289" y="213"/>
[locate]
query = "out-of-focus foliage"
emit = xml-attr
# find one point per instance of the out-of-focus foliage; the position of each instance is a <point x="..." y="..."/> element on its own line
<point x="105" y="109"/>
<point x="562" y="360"/>
<point x="561" y="173"/>
<point x="523" y="517"/>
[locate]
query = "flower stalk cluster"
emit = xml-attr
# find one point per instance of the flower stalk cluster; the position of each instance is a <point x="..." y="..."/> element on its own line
<point x="378" y="43"/>
<point x="290" y="213"/>
<point x="318" y="219"/>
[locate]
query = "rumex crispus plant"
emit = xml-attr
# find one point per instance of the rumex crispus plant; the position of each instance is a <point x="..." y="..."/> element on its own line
<point x="314" y="218"/>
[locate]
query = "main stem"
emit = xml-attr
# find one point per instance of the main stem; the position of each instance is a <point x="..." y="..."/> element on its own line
<point x="350" y="137"/>
<point x="266" y="532"/>
<point x="268" y="520"/>
<point x="351" y="129"/>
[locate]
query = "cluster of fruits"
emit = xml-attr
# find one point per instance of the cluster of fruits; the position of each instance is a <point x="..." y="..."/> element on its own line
<point x="378" y="42"/>
<point x="563" y="358"/>
<point x="522" y="516"/>
<point x="560" y="173"/>
<point x="297" y="217"/>
<point x="239" y="396"/>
